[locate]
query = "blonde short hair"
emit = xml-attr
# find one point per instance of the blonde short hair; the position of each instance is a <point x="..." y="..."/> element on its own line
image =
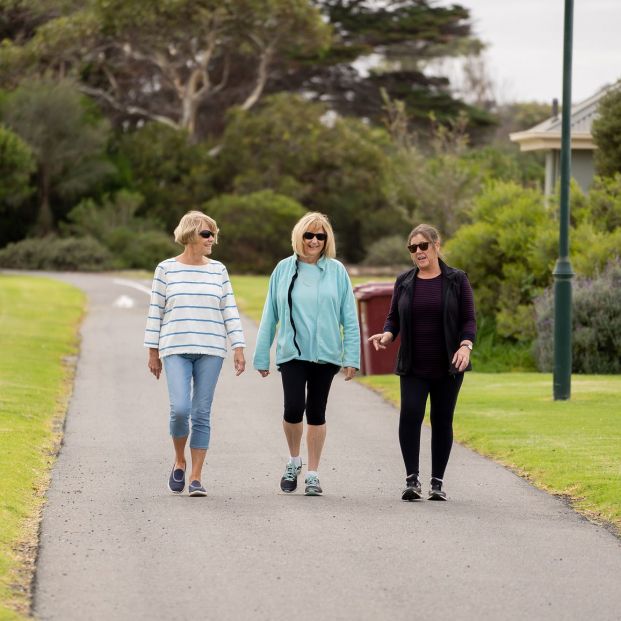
<point x="304" y="223"/>
<point x="191" y="224"/>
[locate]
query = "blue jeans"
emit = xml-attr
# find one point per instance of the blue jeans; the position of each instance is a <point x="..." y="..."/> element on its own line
<point x="187" y="401"/>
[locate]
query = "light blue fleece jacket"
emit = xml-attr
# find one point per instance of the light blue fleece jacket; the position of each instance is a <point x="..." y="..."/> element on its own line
<point x="335" y="319"/>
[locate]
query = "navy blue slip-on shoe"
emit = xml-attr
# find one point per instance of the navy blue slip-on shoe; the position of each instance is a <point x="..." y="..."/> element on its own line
<point x="196" y="489"/>
<point x="176" y="480"/>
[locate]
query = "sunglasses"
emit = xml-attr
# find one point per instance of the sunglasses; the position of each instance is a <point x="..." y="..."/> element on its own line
<point x="423" y="246"/>
<point x="320" y="236"/>
<point x="206" y="234"/>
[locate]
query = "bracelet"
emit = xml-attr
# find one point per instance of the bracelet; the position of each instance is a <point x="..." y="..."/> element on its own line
<point x="466" y="345"/>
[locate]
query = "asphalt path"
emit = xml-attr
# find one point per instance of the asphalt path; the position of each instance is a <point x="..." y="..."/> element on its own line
<point x="116" y="544"/>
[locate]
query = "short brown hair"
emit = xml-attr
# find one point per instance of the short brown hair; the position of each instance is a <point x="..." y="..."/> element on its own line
<point x="430" y="233"/>
<point x="191" y="223"/>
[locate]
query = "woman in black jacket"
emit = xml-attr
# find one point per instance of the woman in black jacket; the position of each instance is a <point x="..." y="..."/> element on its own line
<point x="433" y="308"/>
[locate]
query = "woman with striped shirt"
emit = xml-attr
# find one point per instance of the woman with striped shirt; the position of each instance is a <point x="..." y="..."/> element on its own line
<point x="433" y="309"/>
<point x="191" y="316"/>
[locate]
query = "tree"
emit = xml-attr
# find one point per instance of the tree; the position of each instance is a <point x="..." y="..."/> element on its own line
<point x="329" y="164"/>
<point x="404" y="37"/>
<point x="66" y="137"/>
<point x="167" y="59"/>
<point x="17" y="164"/>
<point x="167" y="169"/>
<point x="607" y="134"/>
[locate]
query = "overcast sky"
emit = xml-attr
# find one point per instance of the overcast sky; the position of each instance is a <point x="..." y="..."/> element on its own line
<point x="525" y="37"/>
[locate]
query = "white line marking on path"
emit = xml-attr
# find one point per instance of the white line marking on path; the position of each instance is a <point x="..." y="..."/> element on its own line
<point x="131" y="283"/>
<point x="124" y="301"/>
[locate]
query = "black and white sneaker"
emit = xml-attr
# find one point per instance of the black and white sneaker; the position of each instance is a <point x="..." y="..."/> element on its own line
<point x="413" y="490"/>
<point x="289" y="481"/>
<point x="435" y="491"/>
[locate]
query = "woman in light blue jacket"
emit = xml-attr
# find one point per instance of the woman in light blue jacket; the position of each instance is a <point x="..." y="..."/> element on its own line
<point x="310" y="299"/>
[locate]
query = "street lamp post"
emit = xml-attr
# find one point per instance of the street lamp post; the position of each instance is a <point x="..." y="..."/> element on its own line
<point x="563" y="272"/>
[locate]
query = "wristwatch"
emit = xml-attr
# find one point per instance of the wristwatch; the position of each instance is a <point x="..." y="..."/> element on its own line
<point x="466" y="345"/>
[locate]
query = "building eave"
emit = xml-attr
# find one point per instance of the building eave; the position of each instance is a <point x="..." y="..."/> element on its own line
<point x="547" y="141"/>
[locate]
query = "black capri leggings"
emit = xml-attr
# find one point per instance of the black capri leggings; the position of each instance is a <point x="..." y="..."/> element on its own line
<point x="414" y="393"/>
<point x="306" y="385"/>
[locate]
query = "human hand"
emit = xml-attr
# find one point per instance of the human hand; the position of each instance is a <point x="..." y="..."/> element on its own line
<point x="239" y="361"/>
<point x="263" y="373"/>
<point x="461" y="358"/>
<point x="349" y="373"/>
<point x="380" y="341"/>
<point x="155" y="364"/>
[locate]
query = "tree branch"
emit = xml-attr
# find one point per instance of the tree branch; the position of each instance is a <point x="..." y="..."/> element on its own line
<point x="128" y="109"/>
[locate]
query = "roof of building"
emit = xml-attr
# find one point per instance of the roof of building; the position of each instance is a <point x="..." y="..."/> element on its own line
<point x="547" y="135"/>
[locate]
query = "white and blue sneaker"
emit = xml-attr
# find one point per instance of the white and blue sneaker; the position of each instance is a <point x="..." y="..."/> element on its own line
<point x="196" y="489"/>
<point x="312" y="486"/>
<point x="176" y="480"/>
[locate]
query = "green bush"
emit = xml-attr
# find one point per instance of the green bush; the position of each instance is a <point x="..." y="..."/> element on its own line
<point x="596" y="324"/>
<point x="508" y="252"/>
<point x="388" y="251"/>
<point x="56" y="254"/>
<point x="133" y="242"/>
<point x="142" y="250"/>
<point x="255" y="230"/>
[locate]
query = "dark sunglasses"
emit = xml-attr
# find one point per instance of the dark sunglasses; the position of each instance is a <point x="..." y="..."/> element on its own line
<point x="206" y="234"/>
<point x="422" y="246"/>
<point x="320" y="236"/>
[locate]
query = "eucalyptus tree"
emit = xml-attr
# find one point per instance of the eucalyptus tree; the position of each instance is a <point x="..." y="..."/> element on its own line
<point x="168" y="60"/>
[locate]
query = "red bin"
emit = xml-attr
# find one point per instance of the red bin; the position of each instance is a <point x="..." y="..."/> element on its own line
<point x="373" y="300"/>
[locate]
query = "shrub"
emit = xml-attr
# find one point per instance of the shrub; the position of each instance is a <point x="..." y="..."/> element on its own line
<point x="133" y="241"/>
<point x="389" y="250"/>
<point x="255" y="229"/>
<point x="596" y="324"/>
<point x="52" y="253"/>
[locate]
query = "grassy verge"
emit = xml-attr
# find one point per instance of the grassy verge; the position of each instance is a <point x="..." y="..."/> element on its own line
<point x="38" y="340"/>
<point x="571" y="447"/>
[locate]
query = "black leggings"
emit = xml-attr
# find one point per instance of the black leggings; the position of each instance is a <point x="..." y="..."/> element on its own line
<point x="414" y="393"/>
<point x="306" y="385"/>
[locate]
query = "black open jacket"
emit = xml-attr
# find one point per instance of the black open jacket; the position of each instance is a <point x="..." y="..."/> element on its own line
<point x="399" y="319"/>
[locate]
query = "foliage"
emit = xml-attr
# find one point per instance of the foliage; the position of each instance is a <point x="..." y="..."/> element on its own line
<point x="172" y="173"/>
<point x="255" y="230"/>
<point x="596" y="324"/>
<point x="387" y="251"/>
<point x="508" y="252"/>
<point x="133" y="242"/>
<point x="607" y="134"/>
<point x="335" y="166"/>
<point x="66" y="137"/>
<point x="53" y="253"/>
<point x="400" y="42"/>
<point x="16" y="165"/>
<point x="167" y="60"/>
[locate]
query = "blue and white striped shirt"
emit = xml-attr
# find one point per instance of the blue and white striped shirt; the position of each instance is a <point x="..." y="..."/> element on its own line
<point x="192" y="310"/>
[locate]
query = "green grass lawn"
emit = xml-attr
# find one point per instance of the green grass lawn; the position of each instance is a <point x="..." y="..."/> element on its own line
<point x="571" y="448"/>
<point x="566" y="447"/>
<point x="38" y="338"/>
